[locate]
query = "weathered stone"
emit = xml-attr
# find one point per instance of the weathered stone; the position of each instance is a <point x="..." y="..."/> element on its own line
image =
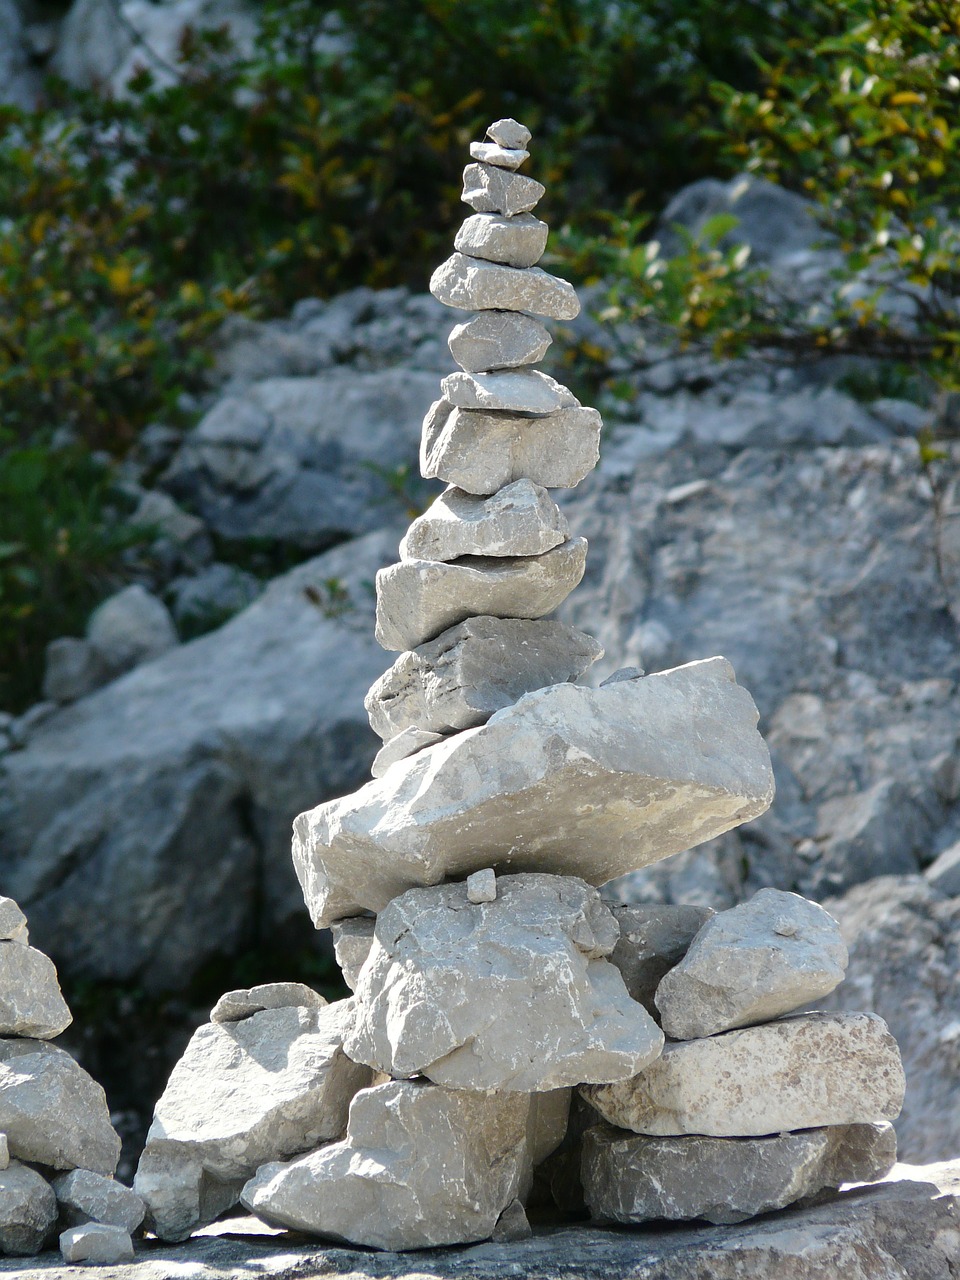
<point x="502" y="157"/>
<point x="482" y="886"/>
<point x="799" y="1073"/>
<point x="71" y="669"/>
<point x="352" y="940"/>
<point x="511" y="994"/>
<point x="473" y="284"/>
<point x="243" y="1093"/>
<point x="512" y="1225"/>
<point x="234" y="1006"/>
<point x="417" y="599"/>
<point x="652" y="940"/>
<point x="96" y="1242"/>
<point x="474" y="669"/>
<point x="521" y="519"/>
<point x="628" y="775"/>
<point x="490" y="189"/>
<point x="481" y="452"/>
<point x="84" y="1196"/>
<point x="631" y="1178"/>
<point x="498" y="340"/>
<point x="52" y="1112"/>
<point x="131" y="627"/>
<point x="752" y="963"/>
<point x="405" y="744"/>
<point x="13" y="923"/>
<point x="944" y="872"/>
<point x="509" y="133"/>
<point x="4" y="1152"/>
<point x="30" y="999"/>
<point x="512" y="391"/>
<point x="28" y="1210"/>
<point x="516" y="242"/>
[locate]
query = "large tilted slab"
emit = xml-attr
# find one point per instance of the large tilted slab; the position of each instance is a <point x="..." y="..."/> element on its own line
<point x="626" y="775"/>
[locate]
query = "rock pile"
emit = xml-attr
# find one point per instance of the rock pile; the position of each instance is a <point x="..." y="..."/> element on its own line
<point x="58" y="1149"/>
<point x="494" y="980"/>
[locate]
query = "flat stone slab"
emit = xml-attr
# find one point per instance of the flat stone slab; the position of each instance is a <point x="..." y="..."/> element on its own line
<point x="502" y="157"/>
<point x="474" y="669"/>
<point x="510" y="994"/>
<point x="406" y="743"/>
<point x="482" y="451"/>
<point x="417" y="599"/>
<point x="799" y="1073"/>
<point x="473" y="284"/>
<point x="30" y="999"/>
<point x="515" y="242"/>
<point x="234" y="1006"/>
<point x="492" y="189"/>
<point x="652" y="940"/>
<point x="521" y="519"/>
<point x="628" y="774"/>
<point x="512" y="391"/>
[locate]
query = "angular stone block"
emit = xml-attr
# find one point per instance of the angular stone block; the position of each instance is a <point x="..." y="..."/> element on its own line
<point x="234" y="1006"/>
<point x="473" y="284"/>
<point x="491" y="189"/>
<point x="30" y="999"/>
<point x="502" y="157"/>
<point x="28" y="1210"/>
<point x="509" y="133"/>
<point x="13" y="923"/>
<point x="498" y="340"/>
<point x="515" y="242"/>
<point x="89" y="1197"/>
<point x="352" y="940"/>
<point x="652" y="940"/>
<point x="405" y="744"/>
<point x="521" y="519"/>
<point x="97" y="1244"/>
<point x="510" y="391"/>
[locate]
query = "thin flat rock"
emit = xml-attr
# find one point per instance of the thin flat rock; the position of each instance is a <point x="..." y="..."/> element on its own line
<point x="515" y="242"/>
<point x="403" y="745"/>
<point x="234" y="1006"/>
<point x="491" y="189"/>
<point x="473" y="284"/>
<point x="513" y="391"/>
<point x="521" y="519"/>
<point x="502" y="157"/>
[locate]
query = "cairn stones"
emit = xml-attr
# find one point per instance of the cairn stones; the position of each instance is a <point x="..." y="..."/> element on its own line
<point x="474" y="284"/>
<point x="13" y="923"/>
<point x="96" y="1243"/>
<point x="85" y="1197"/>
<point x="513" y="242"/>
<point x="502" y="157"/>
<point x="653" y="939"/>
<point x="406" y="743"/>
<point x="30" y="999"/>
<point x="509" y="133"/>
<point x="489" y="188"/>
<point x="352" y="940"/>
<point x="512" y="391"/>
<point x="498" y="340"/>
<point x="28" y="1210"/>
<point x="519" y="520"/>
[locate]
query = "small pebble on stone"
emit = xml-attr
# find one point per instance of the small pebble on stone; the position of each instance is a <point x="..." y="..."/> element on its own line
<point x="482" y="886"/>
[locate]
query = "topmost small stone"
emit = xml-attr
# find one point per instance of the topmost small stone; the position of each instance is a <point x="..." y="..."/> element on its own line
<point x="509" y="133"/>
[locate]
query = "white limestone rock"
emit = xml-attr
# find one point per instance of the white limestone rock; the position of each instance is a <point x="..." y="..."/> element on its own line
<point x="85" y="1197"/>
<point x="97" y="1244"/>
<point x="28" y="1210"/>
<point x="498" y="340"/>
<point x="628" y="775"/>
<point x="482" y="886"/>
<point x="417" y="599"/>
<point x="474" y="669"/>
<point x="234" y="1006"/>
<point x="482" y="451"/>
<point x="52" y="1111"/>
<point x="473" y="284"/>
<point x="630" y="1178"/>
<point x="243" y="1093"/>
<point x="405" y="744"/>
<point x="491" y="189"/>
<point x="509" y="133"/>
<point x="502" y="157"/>
<point x="352" y="940"/>
<point x="515" y="242"/>
<point x="521" y="519"/>
<point x="511" y="994"/>
<point x="30" y="999"/>
<point x="799" y="1073"/>
<point x="512" y="391"/>
<point x="652" y="940"/>
<point x="13" y="923"/>
<point x="761" y="959"/>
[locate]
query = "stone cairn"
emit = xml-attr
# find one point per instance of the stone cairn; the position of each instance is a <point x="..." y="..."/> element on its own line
<point x="58" y="1149"/>
<point x="505" y="1042"/>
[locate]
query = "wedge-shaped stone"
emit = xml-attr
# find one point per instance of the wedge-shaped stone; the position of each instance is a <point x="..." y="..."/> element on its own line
<point x="509" y="133"/>
<point x="417" y="599"/>
<point x="28" y="1210"/>
<point x="498" y="340"/>
<point x="652" y="940"/>
<point x="491" y="189"/>
<point x="629" y="1178"/>
<point x="502" y="157"/>
<point x="52" y="1112"/>
<point x="243" y="1093"/>
<point x="89" y="1197"/>
<point x="521" y="519"/>
<point x="30" y="999"/>
<point x="474" y="669"/>
<point x="473" y="284"/>
<point x="753" y="963"/>
<point x="234" y="1006"/>
<point x="510" y="994"/>
<point x="352" y="940"/>
<point x="516" y="242"/>
<point x="420" y="1166"/>
<point x="512" y="391"/>
<point x="481" y="452"/>
<point x="403" y="745"/>
<point x="799" y="1073"/>
<point x="569" y="780"/>
<point x="96" y="1243"/>
<point x="13" y="923"/>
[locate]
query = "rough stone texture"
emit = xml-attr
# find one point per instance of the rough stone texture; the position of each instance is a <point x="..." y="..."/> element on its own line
<point x="752" y="963"/>
<point x="481" y="452"/>
<point x="482" y="886"/>
<point x="28" y="1210"/>
<point x="631" y="1179"/>
<point x="405" y="744"/>
<point x="490" y="189"/>
<point x="52" y="1112"/>
<point x="629" y="774"/>
<point x="234" y="1006"/>
<point x="352" y="940"/>
<point x="418" y="599"/>
<point x="652" y="940"/>
<point x="30" y="999"/>
<point x="509" y="133"/>
<point x="502" y="157"/>
<point x="799" y="1073"/>
<point x="513" y="391"/>
<point x="4" y="1151"/>
<point x="474" y="284"/>
<point x="511" y="994"/>
<point x="498" y="340"/>
<point x="13" y="923"/>
<point x="515" y="242"/>
<point x="275" y="1084"/>
<point x="521" y="519"/>
<point x="96" y="1242"/>
<point x="474" y="669"/>
<point x="512" y="1225"/>
<point x="89" y="1197"/>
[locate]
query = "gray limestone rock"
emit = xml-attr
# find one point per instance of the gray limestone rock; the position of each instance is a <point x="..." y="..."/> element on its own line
<point x="131" y="627"/>
<point x="352" y="940"/>
<point x="943" y="874"/>
<point x="97" y="1243"/>
<point x="512" y="1225"/>
<point x="406" y="743"/>
<point x="474" y="669"/>
<point x="418" y="599"/>
<point x="243" y="1093"/>
<point x="84" y="1197"/>
<point x="628" y="775"/>
<point x="511" y="994"/>
<point x="482" y="886"/>
<point x="799" y="1073"/>
<point x="30" y="999"/>
<point x="13" y="923"/>
<point x="623" y="673"/>
<point x="51" y="1110"/>
<point x="481" y="451"/>
<point x="761" y="959"/>
<point x="509" y="391"/>
<point x="71" y="670"/>
<point x="630" y="1178"/>
<point x="234" y="1006"/>
<point x="652" y="940"/>
<point x="521" y="519"/>
<point x="502" y="157"/>
<point x="516" y="242"/>
<point x="491" y="189"/>
<point x="473" y="284"/>
<point x="509" y="133"/>
<point x="4" y="1152"/>
<point x="28" y="1210"/>
<point x="498" y="340"/>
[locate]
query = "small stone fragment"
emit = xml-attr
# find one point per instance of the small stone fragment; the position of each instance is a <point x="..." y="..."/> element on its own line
<point x="490" y="189"/>
<point x="512" y="391"/>
<point x="96" y="1243"/>
<point x="652" y="940"/>
<point x="515" y="242"/>
<point x="761" y="959"/>
<point x="30" y="999"/>
<point x="417" y="599"/>
<point x="509" y="133"/>
<point x="352" y="940"/>
<point x="28" y="1210"/>
<point x="234" y="1006"/>
<point x="406" y="743"/>
<point x="13" y="923"/>
<point x="512" y="1225"/>
<point x="629" y="1178"/>
<point x="622" y="673"/>
<point x="482" y="886"/>
<point x="798" y="1073"/>
<point x="502" y="157"/>
<point x="85" y="1197"/>
<point x="521" y="519"/>
<point x="473" y="284"/>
